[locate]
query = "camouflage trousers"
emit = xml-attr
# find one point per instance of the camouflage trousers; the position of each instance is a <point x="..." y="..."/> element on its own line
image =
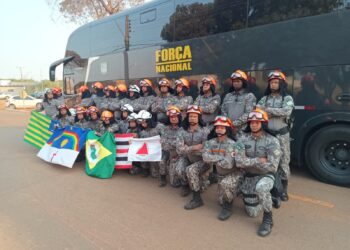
<point x="168" y="166"/>
<point x="283" y="167"/>
<point x="197" y="175"/>
<point x="181" y="165"/>
<point x="153" y="167"/>
<point x="228" y="186"/>
<point x="256" y="194"/>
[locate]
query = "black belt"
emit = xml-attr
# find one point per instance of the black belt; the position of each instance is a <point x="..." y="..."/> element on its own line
<point x="281" y="131"/>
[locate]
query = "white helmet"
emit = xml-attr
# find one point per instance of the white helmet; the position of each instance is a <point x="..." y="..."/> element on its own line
<point x="144" y="115"/>
<point x="134" y="88"/>
<point x="132" y="117"/>
<point x="127" y="107"/>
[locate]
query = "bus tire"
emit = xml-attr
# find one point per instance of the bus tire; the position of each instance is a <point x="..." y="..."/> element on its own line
<point x="327" y="154"/>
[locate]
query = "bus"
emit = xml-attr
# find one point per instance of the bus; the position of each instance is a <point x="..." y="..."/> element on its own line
<point x="309" y="40"/>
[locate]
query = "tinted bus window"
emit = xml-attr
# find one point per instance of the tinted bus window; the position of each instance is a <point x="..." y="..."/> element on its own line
<point x="265" y="12"/>
<point x="79" y="43"/>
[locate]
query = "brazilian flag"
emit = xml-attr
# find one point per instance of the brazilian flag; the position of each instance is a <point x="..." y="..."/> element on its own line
<point x="100" y="155"/>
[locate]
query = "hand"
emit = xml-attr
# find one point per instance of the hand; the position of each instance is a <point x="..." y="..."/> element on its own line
<point x="263" y="160"/>
<point x="197" y="147"/>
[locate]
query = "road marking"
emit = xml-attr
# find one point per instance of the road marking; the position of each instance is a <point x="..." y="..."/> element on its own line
<point x="311" y="200"/>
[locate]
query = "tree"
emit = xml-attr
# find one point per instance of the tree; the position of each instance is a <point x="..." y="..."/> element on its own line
<point x="87" y="10"/>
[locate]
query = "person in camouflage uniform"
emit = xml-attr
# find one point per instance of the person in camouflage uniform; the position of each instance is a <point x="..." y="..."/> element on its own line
<point x="220" y="151"/>
<point x="98" y="95"/>
<point x="147" y="96"/>
<point x="279" y="106"/>
<point x="93" y="117"/>
<point x="123" y="123"/>
<point x="239" y="102"/>
<point x="149" y="128"/>
<point x="182" y="86"/>
<point x="132" y="96"/>
<point x="49" y="105"/>
<point x="116" y="104"/>
<point x="208" y="100"/>
<point x="64" y="117"/>
<point x="57" y="95"/>
<point x="107" y="124"/>
<point x="86" y="100"/>
<point x="168" y="141"/>
<point x="135" y="130"/>
<point x="260" y="162"/>
<point x="110" y="95"/>
<point x="80" y="119"/>
<point x="189" y="146"/>
<point x="162" y="102"/>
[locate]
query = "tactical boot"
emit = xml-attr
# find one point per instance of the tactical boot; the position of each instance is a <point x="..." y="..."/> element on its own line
<point x="276" y="200"/>
<point x="266" y="225"/>
<point x="185" y="190"/>
<point x="145" y="172"/>
<point x="226" y="211"/>
<point x="162" y="181"/>
<point x="195" y="202"/>
<point x="284" y="194"/>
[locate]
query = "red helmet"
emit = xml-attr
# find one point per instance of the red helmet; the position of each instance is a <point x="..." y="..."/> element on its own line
<point x="258" y="115"/>
<point x="276" y="75"/>
<point x="173" y="110"/>
<point x="165" y="82"/>
<point x="210" y="80"/>
<point x="239" y="74"/>
<point x="110" y="88"/>
<point x="83" y="88"/>
<point x="56" y="90"/>
<point x="80" y="110"/>
<point x="183" y="81"/>
<point x="98" y="85"/>
<point x="223" y="121"/>
<point x="106" y="114"/>
<point x="194" y="109"/>
<point x="63" y="106"/>
<point x="146" y="83"/>
<point x="92" y="109"/>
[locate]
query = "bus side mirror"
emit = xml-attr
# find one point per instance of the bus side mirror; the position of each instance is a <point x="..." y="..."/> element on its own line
<point x="52" y="74"/>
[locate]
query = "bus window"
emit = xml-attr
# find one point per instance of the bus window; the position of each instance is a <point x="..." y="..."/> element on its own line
<point x="265" y="12"/>
<point x="197" y="19"/>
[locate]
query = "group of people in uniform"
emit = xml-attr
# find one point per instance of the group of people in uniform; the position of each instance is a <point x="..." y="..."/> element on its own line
<point x="239" y="142"/>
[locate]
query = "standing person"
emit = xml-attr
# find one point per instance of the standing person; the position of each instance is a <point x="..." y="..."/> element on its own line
<point x="49" y="105"/>
<point x="64" y="117"/>
<point x="110" y="95"/>
<point x="164" y="100"/>
<point x="81" y="119"/>
<point x="208" y="100"/>
<point x="220" y="151"/>
<point x="132" y="97"/>
<point x="168" y="140"/>
<point x="147" y="96"/>
<point x="260" y="162"/>
<point x="135" y="130"/>
<point x="93" y="117"/>
<point x="107" y="123"/>
<point x="239" y="102"/>
<point x="182" y="86"/>
<point x="123" y="123"/>
<point x="86" y="100"/>
<point x="189" y="148"/>
<point x="279" y="106"/>
<point x="57" y="95"/>
<point x="116" y="104"/>
<point x="98" y="95"/>
<point x="149" y="128"/>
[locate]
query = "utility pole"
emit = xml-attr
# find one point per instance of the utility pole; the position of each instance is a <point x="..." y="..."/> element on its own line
<point x="21" y="71"/>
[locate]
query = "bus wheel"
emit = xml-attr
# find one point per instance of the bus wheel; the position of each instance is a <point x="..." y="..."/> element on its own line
<point x="327" y="154"/>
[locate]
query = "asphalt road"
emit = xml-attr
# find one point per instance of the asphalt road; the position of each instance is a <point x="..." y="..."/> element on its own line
<point x="43" y="206"/>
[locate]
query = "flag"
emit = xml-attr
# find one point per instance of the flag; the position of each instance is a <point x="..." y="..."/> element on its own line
<point x="54" y="124"/>
<point x="145" y="149"/>
<point x="122" y="141"/>
<point x="63" y="146"/>
<point x="37" y="132"/>
<point x="100" y="155"/>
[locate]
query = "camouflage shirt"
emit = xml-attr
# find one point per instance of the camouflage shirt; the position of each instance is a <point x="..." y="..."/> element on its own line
<point x="237" y="106"/>
<point x="86" y="102"/>
<point x="123" y="126"/>
<point x="50" y="108"/>
<point x="210" y="106"/>
<point x="81" y="124"/>
<point x="144" y="103"/>
<point x="182" y="103"/>
<point x="66" y="121"/>
<point x="92" y="124"/>
<point x="279" y="110"/>
<point x="222" y="155"/>
<point x="265" y="146"/>
<point x="149" y="132"/>
<point x="161" y="104"/>
<point x="98" y="100"/>
<point x="169" y="136"/>
<point x="106" y="103"/>
<point x="101" y="128"/>
<point x="186" y="139"/>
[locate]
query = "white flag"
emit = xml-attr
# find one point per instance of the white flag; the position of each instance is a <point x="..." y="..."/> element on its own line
<point x="145" y="149"/>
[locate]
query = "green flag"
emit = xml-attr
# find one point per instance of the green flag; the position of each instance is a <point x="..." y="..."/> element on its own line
<point x="100" y="155"/>
<point x="37" y="132"/>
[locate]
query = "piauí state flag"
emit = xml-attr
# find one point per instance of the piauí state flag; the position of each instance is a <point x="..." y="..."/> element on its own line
<point x="37" y="132"/>
<point x="100" y="155"/>
<point x="145" y="149"/>
<point x="63" y="146"/>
